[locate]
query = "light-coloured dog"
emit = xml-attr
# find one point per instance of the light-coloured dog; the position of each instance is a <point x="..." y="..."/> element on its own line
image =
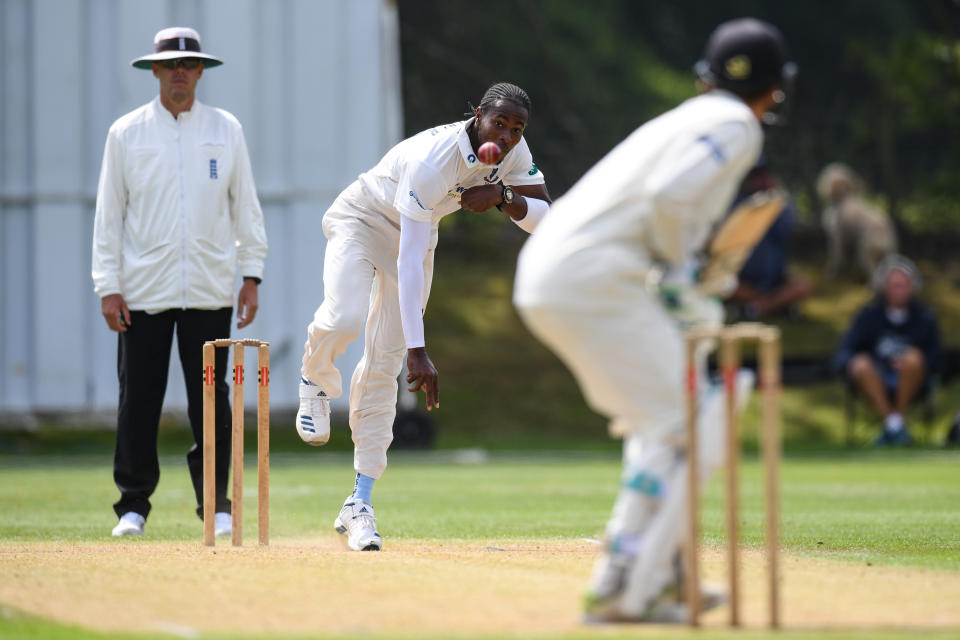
<point x="852" y="223"/>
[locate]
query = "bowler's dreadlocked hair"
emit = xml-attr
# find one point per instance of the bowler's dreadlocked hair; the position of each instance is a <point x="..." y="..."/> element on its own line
<point x="503" y="91"/>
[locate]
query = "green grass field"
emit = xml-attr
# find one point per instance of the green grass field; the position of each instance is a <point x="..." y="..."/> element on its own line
<point x="891" y="508"/>
<point x="521" y="463"/>
<point x="878" y="509"/>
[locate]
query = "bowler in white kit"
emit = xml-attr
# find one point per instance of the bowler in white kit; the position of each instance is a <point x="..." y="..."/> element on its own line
<point x="381" y="235"/>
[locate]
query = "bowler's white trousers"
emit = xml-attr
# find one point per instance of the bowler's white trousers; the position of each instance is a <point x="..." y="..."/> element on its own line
<point x="360" y="283"/>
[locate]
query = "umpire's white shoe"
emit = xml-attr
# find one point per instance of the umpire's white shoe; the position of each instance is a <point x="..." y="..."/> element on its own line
<point x="313" y="416"/>
<point x="131" y="524"/>
<point x="357" y="522"/>
<point x="222" y="523"/>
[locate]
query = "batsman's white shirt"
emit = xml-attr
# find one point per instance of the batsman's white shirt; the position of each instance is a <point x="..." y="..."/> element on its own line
<point x="581" y="279"/>
<point x="177" y="210"/>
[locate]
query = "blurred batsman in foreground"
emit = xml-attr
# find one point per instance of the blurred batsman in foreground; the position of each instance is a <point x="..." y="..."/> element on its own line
<point x="378" y="267"/>
<point x="606" y="283"/>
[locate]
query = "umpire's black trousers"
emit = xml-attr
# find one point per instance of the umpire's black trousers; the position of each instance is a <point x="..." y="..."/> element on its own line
<point x="143" y="361"/>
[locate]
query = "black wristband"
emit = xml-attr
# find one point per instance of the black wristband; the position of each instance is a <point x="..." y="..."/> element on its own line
<point x="503" y="190"/>
<point x="254" y="278"/>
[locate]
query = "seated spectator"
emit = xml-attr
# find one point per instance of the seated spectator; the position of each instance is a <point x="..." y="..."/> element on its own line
<point x="892" y="348"/>
<point x="765" y="287"/>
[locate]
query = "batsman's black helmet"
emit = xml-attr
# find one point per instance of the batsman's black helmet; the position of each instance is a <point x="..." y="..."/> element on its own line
<point x="745" y="56"/>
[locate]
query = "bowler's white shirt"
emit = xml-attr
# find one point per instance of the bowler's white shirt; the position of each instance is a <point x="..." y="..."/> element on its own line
<point x="423" y="176"/>
<point x="177" y="210"/>
<point x="653" y="199"/>
<point x="421" y="179"/>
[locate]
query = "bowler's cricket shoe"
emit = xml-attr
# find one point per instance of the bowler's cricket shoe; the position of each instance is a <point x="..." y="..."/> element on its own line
<point x="357" y="522"/>
<point x="313" y="416"/>
<point x="131" y="524"/>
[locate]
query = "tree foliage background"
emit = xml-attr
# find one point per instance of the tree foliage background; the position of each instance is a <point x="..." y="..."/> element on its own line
<point x="879" y="84"/>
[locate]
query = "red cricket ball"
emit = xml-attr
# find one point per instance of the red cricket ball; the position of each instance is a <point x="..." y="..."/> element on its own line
<point x="489" y="153"/>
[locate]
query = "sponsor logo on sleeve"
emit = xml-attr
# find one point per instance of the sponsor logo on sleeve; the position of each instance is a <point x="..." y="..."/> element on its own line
<point x="414" y="196"/>
<point x="714" y="148"/>
<point x="533" y="169"/>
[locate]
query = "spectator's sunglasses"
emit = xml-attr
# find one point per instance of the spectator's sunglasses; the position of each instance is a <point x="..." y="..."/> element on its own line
<point x="187" y="63"/>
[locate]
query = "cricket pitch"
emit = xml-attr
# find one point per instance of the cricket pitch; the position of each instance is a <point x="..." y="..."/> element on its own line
<point x="418" y="588"/>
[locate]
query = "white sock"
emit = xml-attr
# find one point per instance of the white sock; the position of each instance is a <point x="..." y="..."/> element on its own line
<point x="893" y="423"/>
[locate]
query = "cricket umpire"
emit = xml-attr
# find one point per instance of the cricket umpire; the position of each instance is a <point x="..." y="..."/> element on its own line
<point x="586" y="286"/>
<point x="177" y="217"/>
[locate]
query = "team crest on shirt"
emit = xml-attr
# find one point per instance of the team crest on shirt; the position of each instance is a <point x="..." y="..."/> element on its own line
<point x="490" y="179"/>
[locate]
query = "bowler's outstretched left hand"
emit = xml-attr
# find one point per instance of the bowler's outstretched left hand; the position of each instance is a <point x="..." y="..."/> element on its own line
<point x="422" y="375"/>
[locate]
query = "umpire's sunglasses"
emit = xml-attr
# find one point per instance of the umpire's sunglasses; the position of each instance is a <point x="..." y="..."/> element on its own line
<point x="187" y="63"/>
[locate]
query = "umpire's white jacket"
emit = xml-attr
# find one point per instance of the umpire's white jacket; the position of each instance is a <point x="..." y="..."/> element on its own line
<point x="177" y="210"/>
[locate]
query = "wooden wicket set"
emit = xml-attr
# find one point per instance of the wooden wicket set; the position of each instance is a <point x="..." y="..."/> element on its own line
<point x="730" y="339"/>
<point x="263" y="439"/>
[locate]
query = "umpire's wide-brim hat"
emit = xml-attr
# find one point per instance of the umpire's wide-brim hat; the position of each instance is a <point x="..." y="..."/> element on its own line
<point x="176" y="42"/>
